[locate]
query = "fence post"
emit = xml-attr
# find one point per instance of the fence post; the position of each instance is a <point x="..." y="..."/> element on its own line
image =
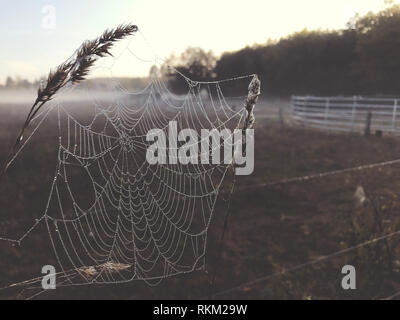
<point x="394" y="115"/>
<point x="304" y="121"/>
<point x="367" y="131"/>
<point x="353" y="113"/>
<point x="327" y="106"/>
<point x="292" y="101"/>
<point x="281" y="117"/>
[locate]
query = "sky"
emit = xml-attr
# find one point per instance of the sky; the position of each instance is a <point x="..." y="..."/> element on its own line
<point x="37" y="35"/>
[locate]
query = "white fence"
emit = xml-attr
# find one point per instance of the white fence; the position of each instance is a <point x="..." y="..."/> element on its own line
<point x="347" y="113"/>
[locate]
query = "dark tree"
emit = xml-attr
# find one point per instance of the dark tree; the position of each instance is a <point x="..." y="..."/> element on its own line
<point x="194" y="63"/>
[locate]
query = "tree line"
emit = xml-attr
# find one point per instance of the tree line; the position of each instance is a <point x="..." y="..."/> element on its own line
<point x="363" y="58"/>
<point x="18" y="83"/>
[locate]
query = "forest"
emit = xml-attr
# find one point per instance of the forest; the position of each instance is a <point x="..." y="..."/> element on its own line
<point x="362" y="58"/>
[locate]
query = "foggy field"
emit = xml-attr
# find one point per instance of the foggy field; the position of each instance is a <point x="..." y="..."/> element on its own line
<point x="270" y="229"/>
<point x="199" y="155"/>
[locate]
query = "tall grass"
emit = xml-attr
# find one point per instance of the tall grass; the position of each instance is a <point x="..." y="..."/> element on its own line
<point x="71" y="71"/>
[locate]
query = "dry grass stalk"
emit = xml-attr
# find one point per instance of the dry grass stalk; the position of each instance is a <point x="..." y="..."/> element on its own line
<point x="89" y="273"/>
<point x="252" y="98"/>
<point x="72" y="71"/>
<point x="250" y="103"/>
<point x="109" y="267"/>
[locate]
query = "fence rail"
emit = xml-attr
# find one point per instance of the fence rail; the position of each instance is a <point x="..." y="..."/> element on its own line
<point x="347" y="113"/>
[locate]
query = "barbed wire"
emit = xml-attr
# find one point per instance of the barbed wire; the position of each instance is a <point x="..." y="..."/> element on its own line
<point x="319" y="175"/>
<point x="397" y="294"/>
<point x="306" y="264"/>
<point x="306" y="178"/>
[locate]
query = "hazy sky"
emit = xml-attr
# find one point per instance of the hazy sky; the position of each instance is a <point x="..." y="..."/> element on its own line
<point x="38" y="35"/>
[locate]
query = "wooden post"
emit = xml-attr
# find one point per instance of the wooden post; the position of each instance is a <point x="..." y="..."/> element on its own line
<point x="292" y="106"/>
<point x="281" y="118"/>
<point x="353" y="112"/>
<point x="367" y="131"/>
<point x="327" y="106"/>
<point x="394" y="116"/>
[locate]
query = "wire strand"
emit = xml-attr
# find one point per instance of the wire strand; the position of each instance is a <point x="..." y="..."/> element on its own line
<point x="306" y="264"/>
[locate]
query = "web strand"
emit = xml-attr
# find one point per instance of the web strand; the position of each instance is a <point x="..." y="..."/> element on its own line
<point x="135" y="221"/>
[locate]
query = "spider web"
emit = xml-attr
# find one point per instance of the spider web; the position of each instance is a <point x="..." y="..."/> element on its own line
<point x="134" y="220"/>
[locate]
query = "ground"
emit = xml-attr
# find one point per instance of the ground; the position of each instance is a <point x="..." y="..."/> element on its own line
<point x="270" y="229"/>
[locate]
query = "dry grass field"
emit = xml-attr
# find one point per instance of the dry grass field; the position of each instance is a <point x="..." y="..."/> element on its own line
<point x="270" y="229"/>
